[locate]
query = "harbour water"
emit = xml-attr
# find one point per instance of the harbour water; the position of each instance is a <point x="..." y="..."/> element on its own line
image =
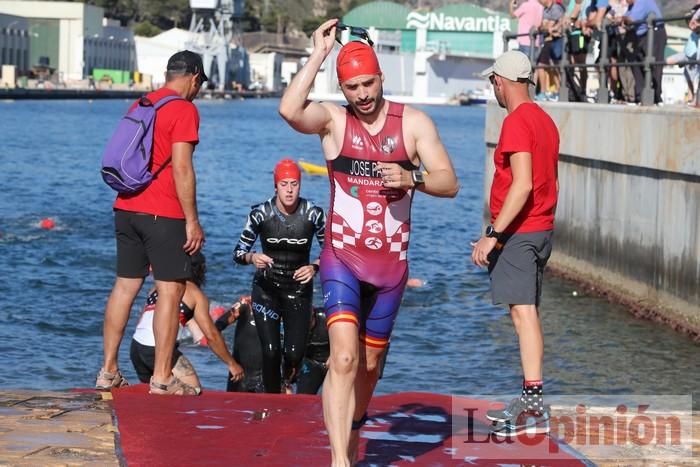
<point x="448" y="337"/>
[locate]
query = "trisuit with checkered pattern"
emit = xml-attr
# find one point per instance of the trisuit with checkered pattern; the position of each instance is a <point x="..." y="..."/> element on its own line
<point x="364" y="263"/>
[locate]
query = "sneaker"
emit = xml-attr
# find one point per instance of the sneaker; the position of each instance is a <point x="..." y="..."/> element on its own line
<point x="513" y="408"/>
<point x="107" y="381"/>
<point x="529" y="423"/>
<point x="552" y="96"/>
<point x="541" y="97"/>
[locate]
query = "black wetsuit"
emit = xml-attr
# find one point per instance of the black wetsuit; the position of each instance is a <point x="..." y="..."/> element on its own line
<point x="276" y="294"/>
<point x="318" y="349"/>
<point x="313" y="368"/>
<point x="248" y="353"/>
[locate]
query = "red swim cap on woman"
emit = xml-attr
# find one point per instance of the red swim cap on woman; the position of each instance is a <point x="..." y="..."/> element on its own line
<point x="354" y="59"/>
<point x="287" y="168"/>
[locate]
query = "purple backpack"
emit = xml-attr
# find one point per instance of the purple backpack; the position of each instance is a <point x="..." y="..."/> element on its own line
<point x="126" y="161"/>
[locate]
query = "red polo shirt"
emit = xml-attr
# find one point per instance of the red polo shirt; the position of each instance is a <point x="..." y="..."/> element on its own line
<point x="528" y="129"/>
<point x="176" y="122"/>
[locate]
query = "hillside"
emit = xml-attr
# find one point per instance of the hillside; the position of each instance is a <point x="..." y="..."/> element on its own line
<point x="149" y="17"/>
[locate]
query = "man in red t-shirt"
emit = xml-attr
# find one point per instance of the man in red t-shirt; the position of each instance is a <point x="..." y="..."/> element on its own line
<point x="518" y="241"/>
<point x="159" y="227"/>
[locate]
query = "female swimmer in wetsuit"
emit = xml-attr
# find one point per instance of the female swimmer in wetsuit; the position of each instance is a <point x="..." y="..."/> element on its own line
<point x="283" y="281"/>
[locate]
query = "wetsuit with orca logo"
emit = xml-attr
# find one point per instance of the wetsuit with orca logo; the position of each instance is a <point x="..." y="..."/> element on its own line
<point x="364" y="264"/>
<point x="276" y="294"/>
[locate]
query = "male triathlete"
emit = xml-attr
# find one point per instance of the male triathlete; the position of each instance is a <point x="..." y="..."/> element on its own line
<point x="373" y="149"/>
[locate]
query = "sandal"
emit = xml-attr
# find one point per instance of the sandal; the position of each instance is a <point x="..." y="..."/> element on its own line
<point x="175" y="387"/>
<point x="107" y="381"/>
<point x="357" y="424"/>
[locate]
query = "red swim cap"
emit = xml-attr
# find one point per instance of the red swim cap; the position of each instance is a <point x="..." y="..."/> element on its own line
<point x="287" y="168"/>
<point x="354" y="59"/>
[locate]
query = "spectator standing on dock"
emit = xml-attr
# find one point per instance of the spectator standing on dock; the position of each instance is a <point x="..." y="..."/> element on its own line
<point x="595" y="12"/>
<point x="691" y="51"/>
<point x="578" y="40"/>
<point x="639" y="10"/>
<point x="283" y="280"/>
<point x="374" y="149"/>
<point x="552" y="47"/>
<point x="529" y="15"/>
<point x="517" y="243"/>
<point x="621" y="79"/>
<point x="159" y="226"/>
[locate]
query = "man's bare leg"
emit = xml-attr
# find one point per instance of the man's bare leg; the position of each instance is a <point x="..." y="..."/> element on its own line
<point x="338" y="389"/>
<point x="117" y="312"/>
<point x="527" y="324"/>
<point x="365" y="382"/>
<point x="165" y="327"/>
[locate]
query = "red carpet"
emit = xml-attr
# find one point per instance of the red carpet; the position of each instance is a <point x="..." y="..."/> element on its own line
<point x="219" y="428"/>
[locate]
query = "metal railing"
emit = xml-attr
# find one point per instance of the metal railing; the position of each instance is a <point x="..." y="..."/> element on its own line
<point x="603" y="63"/>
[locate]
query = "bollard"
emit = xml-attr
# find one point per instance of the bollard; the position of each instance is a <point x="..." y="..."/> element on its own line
<point x="603" y="94"/>
<point x="647" y="92"/>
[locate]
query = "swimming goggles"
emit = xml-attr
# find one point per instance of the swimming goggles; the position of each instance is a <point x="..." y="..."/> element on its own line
<point x="356" y="31"/>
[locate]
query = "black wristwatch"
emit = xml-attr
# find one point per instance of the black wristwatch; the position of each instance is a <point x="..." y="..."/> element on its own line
<point x="491" y="232"/>
<point x="316" y="267"/>
<point x="417" y="177"/>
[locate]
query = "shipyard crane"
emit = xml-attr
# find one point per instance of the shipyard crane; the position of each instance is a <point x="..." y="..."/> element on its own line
<point x="215" y="25"/>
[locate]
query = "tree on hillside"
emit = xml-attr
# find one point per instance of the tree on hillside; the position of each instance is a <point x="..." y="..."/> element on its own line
<point x="280" y="16"/>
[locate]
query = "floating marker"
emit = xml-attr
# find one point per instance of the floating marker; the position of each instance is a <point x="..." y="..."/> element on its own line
<point x="47" y="223"/>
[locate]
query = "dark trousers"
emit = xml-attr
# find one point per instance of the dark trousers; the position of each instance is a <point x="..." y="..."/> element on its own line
<point x="577" y="78"/>
<point x="657" y="71"/>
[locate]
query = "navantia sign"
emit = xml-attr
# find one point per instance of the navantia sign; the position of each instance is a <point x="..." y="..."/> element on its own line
<point x="442" y="22"/>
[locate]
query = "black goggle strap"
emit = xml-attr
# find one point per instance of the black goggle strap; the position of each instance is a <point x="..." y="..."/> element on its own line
<point x="362" y="33"/>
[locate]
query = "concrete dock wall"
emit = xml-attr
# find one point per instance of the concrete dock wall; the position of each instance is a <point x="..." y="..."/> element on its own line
<point x="628" y="218"/>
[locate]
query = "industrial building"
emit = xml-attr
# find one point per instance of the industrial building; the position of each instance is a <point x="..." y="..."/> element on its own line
<point x="68" y="38"/>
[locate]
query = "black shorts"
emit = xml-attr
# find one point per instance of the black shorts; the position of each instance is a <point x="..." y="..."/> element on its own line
<point x="145" y="239"/>
<point x="143" y="358"/>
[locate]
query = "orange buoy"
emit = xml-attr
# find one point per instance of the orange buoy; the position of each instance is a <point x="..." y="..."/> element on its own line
<point x="47" y="223"/>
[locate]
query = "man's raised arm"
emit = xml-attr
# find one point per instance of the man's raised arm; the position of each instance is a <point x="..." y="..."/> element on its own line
<point x="302" y="114"/>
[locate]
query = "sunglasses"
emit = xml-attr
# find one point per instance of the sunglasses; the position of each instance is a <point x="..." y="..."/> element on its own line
<point x="492" y="78"/>
<point x="362" y="33"/>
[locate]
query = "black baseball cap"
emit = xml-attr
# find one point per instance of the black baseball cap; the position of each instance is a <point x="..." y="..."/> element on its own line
<point x="187" y="62"/>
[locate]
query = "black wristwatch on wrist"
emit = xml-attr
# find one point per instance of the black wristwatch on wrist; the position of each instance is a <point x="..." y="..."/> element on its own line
<point x="417" y="177"/>
<point x="316" y="267"/>
<point x="490" y="232"/>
